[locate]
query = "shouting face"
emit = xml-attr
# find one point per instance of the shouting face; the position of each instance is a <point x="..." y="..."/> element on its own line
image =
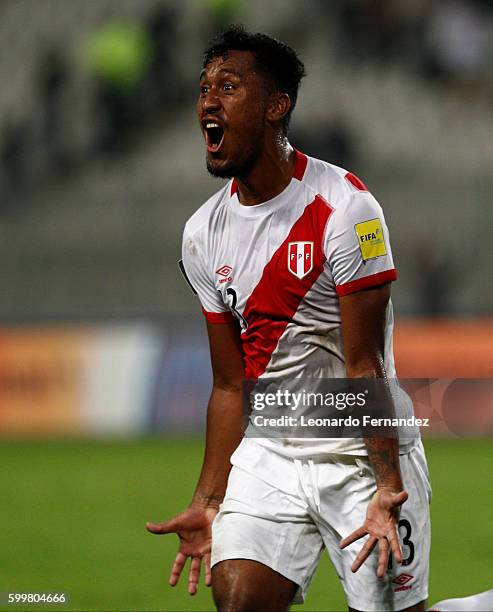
<point x="231" y="111"/>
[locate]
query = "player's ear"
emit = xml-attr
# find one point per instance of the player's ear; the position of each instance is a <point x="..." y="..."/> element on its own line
<point x="277" y="107"/>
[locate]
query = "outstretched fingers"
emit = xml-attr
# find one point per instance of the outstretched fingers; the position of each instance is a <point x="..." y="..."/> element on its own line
<point x="383" y="557"/>
<point x="177" y="568"/>
<point x="364" y="553"/>
<point x="399" y="498"/>
<point x="352" y="537"/>
<point x="395" y="546"/>
<point x="194" y="574"/>
<point x="208" y="572"/>
<point x="170" y="526"/>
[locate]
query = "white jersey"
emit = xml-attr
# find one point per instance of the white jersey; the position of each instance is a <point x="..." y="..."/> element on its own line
<point x="280" y="268"/>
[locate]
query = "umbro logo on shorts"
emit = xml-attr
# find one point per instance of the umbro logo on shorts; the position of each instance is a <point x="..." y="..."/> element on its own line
<point x="402" y="580"/>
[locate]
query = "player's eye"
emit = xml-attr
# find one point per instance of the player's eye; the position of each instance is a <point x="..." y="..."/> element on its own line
<point x="204" y="89"/>
<point x="228" y="87"/>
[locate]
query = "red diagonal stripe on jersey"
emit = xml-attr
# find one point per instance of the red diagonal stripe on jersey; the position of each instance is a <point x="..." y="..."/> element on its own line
<point x="276" y="298"/>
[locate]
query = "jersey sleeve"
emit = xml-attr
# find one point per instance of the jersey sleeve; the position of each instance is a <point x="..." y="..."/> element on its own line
<point x="357" y="245"/>
<point x="196" y="272"/>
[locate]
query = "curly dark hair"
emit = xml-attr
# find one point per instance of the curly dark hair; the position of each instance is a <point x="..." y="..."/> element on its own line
<point x="278" y="62"/>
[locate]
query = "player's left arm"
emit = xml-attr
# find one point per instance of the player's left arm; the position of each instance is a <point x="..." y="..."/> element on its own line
<point x="363" y="316"/>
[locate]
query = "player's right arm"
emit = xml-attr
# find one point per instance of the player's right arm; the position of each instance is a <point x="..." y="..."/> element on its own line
<point x="224" y="433"/>
<point x="224" y="415"/>
<point x="224" y="425"/>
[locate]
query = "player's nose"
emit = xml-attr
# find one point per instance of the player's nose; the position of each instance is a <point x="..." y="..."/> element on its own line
<point x="210" y="103"/>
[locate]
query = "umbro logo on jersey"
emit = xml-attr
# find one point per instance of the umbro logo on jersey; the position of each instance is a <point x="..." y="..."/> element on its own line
<point x="225" y="272"/>
<point x="402" y="580"/>
<point x="300" y="258"/>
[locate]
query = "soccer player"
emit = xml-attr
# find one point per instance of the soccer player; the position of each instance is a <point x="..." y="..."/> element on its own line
<point x="292" y="264"/>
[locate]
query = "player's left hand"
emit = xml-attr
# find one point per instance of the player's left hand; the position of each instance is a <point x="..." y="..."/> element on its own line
<point x="382" y="516"/>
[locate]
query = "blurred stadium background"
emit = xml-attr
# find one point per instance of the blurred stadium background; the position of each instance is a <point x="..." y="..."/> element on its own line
<point x="104" y="371"/>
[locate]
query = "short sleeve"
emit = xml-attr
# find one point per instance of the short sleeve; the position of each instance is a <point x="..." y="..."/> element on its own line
<point x="195" y="270"/>
<point x="357" y="245"/>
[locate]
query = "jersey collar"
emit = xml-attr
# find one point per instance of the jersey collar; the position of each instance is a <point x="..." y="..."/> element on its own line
<point x="298" y="173"/>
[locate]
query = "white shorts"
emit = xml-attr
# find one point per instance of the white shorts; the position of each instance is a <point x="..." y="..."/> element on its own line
<point x="282" y="512"/>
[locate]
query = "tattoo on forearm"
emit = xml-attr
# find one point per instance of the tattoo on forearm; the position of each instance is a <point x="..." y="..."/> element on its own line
<point x="383" y="454"/>
<point x="208" y="497"/>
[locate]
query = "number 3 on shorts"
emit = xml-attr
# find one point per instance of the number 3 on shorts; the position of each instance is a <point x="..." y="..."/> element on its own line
<point x="405" y="533"/>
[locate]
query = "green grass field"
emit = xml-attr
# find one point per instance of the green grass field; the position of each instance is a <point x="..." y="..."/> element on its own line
<point x="72" y="519"/>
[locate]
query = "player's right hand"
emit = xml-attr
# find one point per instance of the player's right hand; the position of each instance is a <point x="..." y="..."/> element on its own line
<point x="193" y="527"/>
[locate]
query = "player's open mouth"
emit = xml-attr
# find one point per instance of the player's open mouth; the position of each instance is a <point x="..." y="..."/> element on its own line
<point x="214" y="136"/>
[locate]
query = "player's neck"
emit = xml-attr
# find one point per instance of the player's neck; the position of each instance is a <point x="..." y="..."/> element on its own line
<point x="271" y="174"/>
